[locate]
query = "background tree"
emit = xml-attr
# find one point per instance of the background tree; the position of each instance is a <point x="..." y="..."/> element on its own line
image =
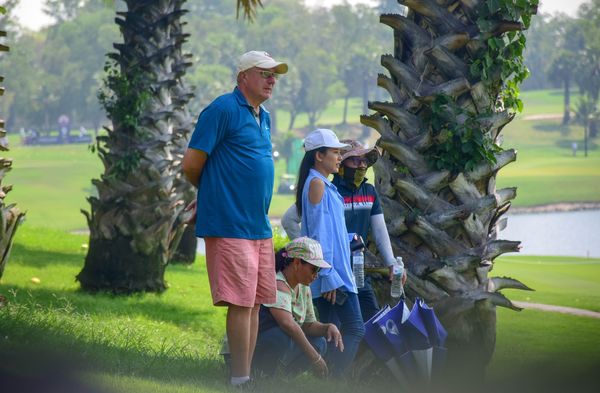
<point x="588" y="66"/>
<point x="562" y="70"/>
<point x="62" y="10"/>
<point x="453" y="81"/>
<point x="357" y="63"/>
<point x="586" y="112"/>
<point x="10" y="215"/>
<point x="319" y="81"/>
<point x="542" y="37"/>
<point x="59" y="73"/>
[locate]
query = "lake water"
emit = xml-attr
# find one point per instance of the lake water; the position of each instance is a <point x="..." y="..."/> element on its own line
<point x="566" y="234"/>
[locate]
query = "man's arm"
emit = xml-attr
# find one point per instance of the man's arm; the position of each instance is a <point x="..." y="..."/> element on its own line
<point x="291" y="222"/>
<point x="193" y="164"/>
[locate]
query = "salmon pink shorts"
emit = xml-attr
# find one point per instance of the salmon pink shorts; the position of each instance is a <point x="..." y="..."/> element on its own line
<point x="240" y="271"/>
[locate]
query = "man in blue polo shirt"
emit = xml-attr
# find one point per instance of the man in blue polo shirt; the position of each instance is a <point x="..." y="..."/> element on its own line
<point x="229" y="160"/>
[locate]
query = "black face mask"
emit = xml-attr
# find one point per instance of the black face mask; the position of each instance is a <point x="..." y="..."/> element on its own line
<point x="353" y="175"/>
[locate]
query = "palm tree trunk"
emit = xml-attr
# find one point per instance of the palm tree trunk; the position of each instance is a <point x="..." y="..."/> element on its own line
<point x="567" y="96"/>
<point x="183" y="246"/>
<point x="133" y="220"/>
<point x="292" y="119"/>
<point x="585" y="138"/>
<point x="10" y="216"/>
<point x="443" y="219"/>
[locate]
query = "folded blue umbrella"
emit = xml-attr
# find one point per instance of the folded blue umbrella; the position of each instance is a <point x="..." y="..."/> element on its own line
<point x="411" y="340"/>
<point x="383" y="337"/>
<point x="436" y="332"/>
<point x="390" y="325"/>
<point x="375" y="339"/>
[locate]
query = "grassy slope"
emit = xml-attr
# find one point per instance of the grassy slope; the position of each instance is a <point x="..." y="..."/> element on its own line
<point x="142" y="343"/>
<point x="169" y="342"/>
<point x="534" y="338"/>
<point x="52" y="182"/>
<point x="565" y="281"/>
<point x="545" y="170"/>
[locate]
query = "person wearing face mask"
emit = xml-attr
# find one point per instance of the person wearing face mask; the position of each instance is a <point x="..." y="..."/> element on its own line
<point x="362" y="211"/>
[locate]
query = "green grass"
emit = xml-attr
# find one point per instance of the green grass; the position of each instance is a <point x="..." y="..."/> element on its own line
<point x="564" y="281"/>
<point x="331" y="116"/>
<point x="545" y="170"/>
<point x="141" y="343"/>
<point x="170" y="341"/>
<point x="549" y="101"/>
<point x="52" y="182"/>
<point x="544" y="343"/>
<point x="531" y="340"/>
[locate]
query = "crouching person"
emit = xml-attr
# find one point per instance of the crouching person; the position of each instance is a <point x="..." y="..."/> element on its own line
<point x="290" y="338"/>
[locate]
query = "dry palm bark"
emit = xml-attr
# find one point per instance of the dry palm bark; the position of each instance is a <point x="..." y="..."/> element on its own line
<point x="445" y="221"/>
<point x="10" y="215"/>
<point x="133" y="219"/>
<point x="185" y="240"/>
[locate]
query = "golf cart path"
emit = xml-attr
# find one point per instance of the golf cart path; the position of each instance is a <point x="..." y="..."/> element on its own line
<point x="561" y="309"/>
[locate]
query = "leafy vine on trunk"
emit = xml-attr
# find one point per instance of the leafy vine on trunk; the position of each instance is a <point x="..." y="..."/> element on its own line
<point x="124" y="100"/>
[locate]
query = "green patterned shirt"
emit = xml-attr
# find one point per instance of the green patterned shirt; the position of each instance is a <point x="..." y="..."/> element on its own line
<point x="298" y="302"/>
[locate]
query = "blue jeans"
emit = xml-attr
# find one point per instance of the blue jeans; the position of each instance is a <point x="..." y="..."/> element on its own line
<point x="275" y="350"/>
<point x="367" y="300"/>
<point x="349" y="320"/>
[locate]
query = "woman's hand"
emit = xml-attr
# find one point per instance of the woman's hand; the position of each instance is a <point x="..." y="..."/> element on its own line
<point x="329" y="296"/>
<point x="332" y="333"/>
<point x="320" y="367"/>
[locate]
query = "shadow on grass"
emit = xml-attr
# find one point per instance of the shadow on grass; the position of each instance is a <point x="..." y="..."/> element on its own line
<point x="567" y="144"/>
<point x="109" y="305"/>
<point x="545" y="126"/>
<point x="43" y="352"/>
<point x="35" y="257"/>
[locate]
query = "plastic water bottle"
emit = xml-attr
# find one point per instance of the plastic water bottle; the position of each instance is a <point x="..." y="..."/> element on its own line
<point x="397" y="289"/>
<point x="358" y="266"/>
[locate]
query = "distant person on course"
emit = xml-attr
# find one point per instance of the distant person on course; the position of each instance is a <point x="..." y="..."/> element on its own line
<point x="229" y="159"/>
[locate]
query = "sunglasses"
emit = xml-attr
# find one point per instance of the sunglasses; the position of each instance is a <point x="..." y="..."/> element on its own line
<point x="268" y="74"/>
<point x="315" y="269"/>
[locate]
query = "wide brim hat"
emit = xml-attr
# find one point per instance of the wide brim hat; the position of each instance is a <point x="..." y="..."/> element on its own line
<point x="307" y="249"/>
<point x="356" y="149"/>
<point x="260" y="59"/>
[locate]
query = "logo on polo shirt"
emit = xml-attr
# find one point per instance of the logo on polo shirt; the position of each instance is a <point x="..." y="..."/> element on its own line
<point x="360" y="202"/>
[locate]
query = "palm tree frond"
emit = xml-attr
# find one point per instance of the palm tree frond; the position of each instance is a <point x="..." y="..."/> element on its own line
<point x="249" y="8"/>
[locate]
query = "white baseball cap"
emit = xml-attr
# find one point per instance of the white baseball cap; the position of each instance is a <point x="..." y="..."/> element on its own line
<point x="322" y="137"/>
<point x="260" y="59"/>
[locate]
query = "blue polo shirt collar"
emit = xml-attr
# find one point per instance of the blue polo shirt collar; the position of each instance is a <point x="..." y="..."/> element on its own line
<point x="241" y="100"/>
